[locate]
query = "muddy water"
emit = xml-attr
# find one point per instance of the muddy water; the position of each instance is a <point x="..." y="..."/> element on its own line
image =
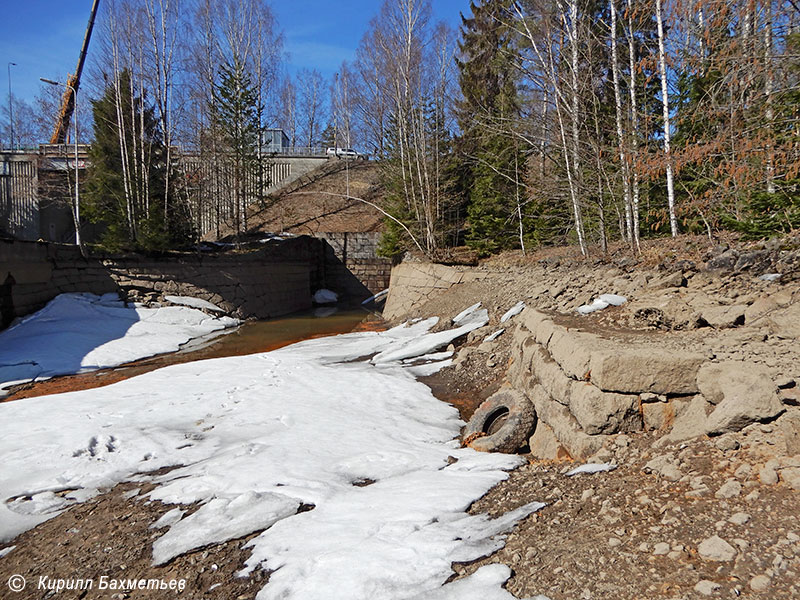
<point x="250" y="338"/>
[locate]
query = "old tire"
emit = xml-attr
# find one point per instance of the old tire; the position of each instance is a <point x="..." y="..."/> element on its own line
<point x="502" y="423"/>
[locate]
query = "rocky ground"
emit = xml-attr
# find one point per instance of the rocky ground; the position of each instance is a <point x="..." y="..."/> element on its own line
<point x="689" y="520"/>
<point x="683" y="514"/>
<point x="680" y="516"/>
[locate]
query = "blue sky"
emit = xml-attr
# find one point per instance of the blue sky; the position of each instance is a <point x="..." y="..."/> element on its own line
<point x="44" y="36"/>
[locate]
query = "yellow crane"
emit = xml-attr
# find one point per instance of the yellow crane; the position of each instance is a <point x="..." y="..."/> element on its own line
<point x="73" y="82"/>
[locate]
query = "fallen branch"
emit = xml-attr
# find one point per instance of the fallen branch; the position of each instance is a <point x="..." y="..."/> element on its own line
<point x="376" y="207"/>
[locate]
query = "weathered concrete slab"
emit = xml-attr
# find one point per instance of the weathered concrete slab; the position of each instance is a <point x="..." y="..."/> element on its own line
<point x="645" y="369"/>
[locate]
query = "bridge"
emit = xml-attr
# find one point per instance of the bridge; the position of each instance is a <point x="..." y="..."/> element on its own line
<point x="36" y="191"/>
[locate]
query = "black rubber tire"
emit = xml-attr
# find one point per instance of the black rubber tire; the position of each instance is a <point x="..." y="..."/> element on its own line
<point x="502" y="423"/>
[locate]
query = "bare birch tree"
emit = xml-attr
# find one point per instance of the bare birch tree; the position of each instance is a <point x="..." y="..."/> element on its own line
<point x="662" y="66"/>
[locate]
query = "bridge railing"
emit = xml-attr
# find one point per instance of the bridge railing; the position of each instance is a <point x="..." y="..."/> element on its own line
<point x="298" y="151"/>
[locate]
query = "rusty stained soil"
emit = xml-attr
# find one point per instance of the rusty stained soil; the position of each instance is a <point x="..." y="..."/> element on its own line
<point x="251" y="338"/>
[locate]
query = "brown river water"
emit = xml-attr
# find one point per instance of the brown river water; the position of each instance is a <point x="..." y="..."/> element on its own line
<point x="249" y="338"/>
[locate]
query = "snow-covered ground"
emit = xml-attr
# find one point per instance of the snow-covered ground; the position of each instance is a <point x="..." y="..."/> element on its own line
<point x="253" y="438"/>
<point x="82" y="332"/>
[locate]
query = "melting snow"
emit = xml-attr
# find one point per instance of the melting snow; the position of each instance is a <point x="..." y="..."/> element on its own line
<point x="82" y="332"/>
<point x="601" y="302"/>
<point x="294" y="429"/>
<point x="376" y="297"/>
<point x="168" y="519"/>
<point x="466" y="313"/>
<point x="422" y="344"/>
<point x="513" y="311"/>
<point x="590" y="468"/>
<point x="194" y="303"/>
<point x="429" y="368"/>
<point x="494" y="336"/>
<point x="324" y="296"/>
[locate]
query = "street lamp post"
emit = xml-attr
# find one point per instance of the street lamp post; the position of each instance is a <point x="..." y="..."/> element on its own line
<point x="77" y="193"/>
<point x="10" y="105"/>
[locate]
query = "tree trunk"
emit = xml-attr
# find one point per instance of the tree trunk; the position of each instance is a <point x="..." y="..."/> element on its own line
<point x="573" y="34"/>
<point x="769" y="85"/>
<point x="623" y="158"/>
<point x="634" y="133"/>
<point x="662" y="65"/>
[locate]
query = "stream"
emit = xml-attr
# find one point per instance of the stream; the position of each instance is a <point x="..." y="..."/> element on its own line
<point x="249" y="338"/>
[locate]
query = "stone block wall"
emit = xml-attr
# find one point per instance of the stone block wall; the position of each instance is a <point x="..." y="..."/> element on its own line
<point x="273" y="281"/>
<point x="588" y="385"/>
<point x="353" y="267"/>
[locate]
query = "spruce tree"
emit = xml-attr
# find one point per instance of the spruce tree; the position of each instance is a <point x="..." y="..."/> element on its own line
<point x="237" y="116"/>
<point x="487" y="115"/>
<point x="124" y="191"/>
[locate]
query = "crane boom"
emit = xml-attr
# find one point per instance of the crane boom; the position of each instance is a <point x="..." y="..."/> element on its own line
<point x="73" y="83"/>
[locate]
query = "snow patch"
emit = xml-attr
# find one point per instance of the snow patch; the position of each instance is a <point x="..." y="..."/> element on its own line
<point x="464" y="314"/>
<point x="194" y="303"/>
<point x="428" y="342"/>
<point x="428" y="369"/>
<point x="376" y="297"/>
<point x="513" y="311"/>
<point x="494" y="336"/>
<point x="168" y="519"/>
<point x="429" y="357"/>
<point x="483" y="584"/>
<point x="591" y="468"/>
<point x="75" y="333"/>
<point x="220" y="520"/>
<point x="324" y="296"/>
<point x="297" y="426"/>
<point x="601" y="302"/>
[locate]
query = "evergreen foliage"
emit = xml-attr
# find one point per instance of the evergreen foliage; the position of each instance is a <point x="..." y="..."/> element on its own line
<point x="487" y="115"/>
<point x="237" y="124"/>
<point x="125" y="188"/>
<point x="766" y="214"/>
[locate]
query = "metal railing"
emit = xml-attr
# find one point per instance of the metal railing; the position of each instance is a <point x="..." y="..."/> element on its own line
<point x="297" y="151"/>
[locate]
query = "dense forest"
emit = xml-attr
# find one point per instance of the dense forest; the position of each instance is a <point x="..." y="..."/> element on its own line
<point x="538" y="122"/>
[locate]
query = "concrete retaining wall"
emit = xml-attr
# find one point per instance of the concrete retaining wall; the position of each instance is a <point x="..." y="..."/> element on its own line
<point x="31" y="274"/>
<point x="412" y="284"/>
<point x="249" y="285"/>
<point x="352" y="266"/>
<point x="266" y="283"/>
<point x="275" y="280"/>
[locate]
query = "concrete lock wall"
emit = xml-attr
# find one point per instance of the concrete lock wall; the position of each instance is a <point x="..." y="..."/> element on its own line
<point x="414" y="283"/>
<point x="275" y="280"/>
<point x="246" y="286"/>
<point x="261" y="284"/>
<point x="353" y="268"/>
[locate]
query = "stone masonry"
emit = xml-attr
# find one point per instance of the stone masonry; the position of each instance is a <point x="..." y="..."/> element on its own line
<point x="269" y="282"/>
